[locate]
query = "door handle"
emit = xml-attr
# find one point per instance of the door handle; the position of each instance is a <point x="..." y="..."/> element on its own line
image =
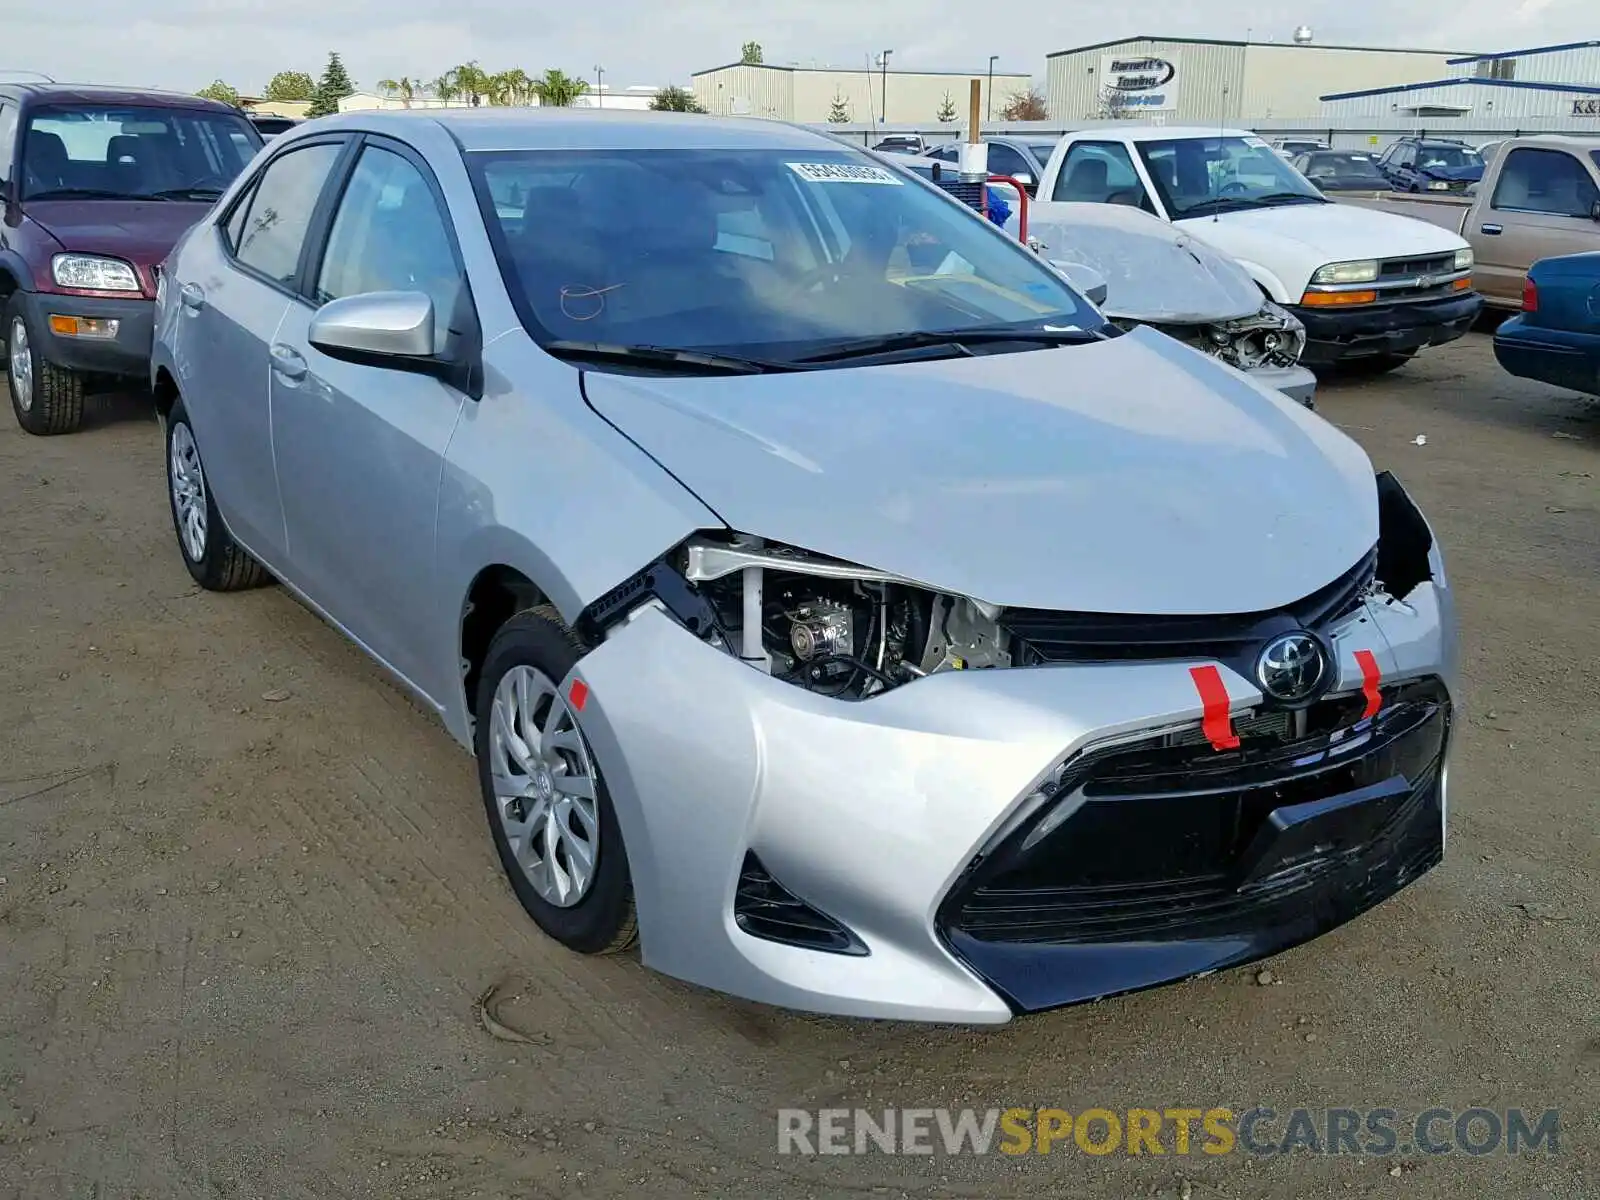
<point x="193" y="296"/>
<point x="286" y="361"/>
<point x="1492" y="230"/>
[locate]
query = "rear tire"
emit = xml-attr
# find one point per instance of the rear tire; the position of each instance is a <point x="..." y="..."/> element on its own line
<point x="215" y="561"/>
<point x="46" y="399"/>
<point x="562" y="852"/>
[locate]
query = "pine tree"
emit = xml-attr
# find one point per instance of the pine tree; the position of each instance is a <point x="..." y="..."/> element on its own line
<point x="947" y="110"/>
<point x="839" y="111"/>
<point x="333" y="87"/>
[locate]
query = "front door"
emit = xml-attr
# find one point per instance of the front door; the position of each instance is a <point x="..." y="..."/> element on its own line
<point x="361" y="448"/>
<point x="1542" y="207"/>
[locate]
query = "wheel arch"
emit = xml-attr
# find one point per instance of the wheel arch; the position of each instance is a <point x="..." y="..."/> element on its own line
<point x="497" y="593"/>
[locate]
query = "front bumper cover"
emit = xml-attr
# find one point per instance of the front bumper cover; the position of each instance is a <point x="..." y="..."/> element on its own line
<point x="126" y="355"/>
<point x="1365" y="331"/>
<point x="875" y="811"/>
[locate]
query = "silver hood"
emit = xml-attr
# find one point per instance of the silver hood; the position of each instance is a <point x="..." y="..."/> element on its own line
<point x="1133" y="475"/>
<point x="1153" y="272"/>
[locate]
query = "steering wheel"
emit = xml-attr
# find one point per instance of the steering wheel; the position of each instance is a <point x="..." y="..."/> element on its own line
<point x="1234" y="187"/>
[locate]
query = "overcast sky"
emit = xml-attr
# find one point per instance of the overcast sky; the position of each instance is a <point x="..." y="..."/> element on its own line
<point x="187" y="43"/>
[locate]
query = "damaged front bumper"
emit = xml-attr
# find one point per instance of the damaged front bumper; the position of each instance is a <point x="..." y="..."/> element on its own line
<point x="882" y="858"/>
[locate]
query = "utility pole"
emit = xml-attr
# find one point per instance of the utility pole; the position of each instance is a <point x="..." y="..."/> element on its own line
<point x="989" y="111"/>
<point x="600" y="86"/>
<point x="884" y="59"/>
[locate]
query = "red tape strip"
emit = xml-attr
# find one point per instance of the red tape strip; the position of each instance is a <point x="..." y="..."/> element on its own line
<point x="1214" y="721"/>
<point x="1371" y="677"/>
<point x="578" y="695"/>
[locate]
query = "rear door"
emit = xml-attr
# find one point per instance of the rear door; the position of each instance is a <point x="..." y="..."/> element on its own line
<point x="360" y="448"/>
<point x="235" y="281"/>
<point x="1541" y="207"/>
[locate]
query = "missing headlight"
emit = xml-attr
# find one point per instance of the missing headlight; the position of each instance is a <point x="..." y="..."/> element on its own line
<point x="1404" y="540"/>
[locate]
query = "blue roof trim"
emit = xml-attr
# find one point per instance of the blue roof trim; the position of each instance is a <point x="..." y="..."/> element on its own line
<point x="1519" y="53"/>
<point x="1471" y="81"/>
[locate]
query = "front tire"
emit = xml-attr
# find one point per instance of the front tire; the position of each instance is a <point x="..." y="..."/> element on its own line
<point x="46" y="399"/>
<point x="215" y="561"/>
<point x="549" y="812"/>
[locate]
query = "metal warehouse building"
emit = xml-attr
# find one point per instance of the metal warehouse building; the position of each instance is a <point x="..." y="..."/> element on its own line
<point x="807" y="94"/>
<point x="1497" y="99"/>
<point x="1204" y="81"/>
<point x="1569" y="62"/>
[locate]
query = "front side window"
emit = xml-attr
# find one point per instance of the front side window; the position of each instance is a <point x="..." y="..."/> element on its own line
<point x="129" y="152"/>
<point x="278" y="214"/>
<point x="760" y="253"/>
<point x="8" y="139"/>
<point x="1545" y="181"/>
<point x="1099" y="173"/>
<point x="1328" y="165"/>
<point x="389" y="236"/>
<point x="1197" y="176"/>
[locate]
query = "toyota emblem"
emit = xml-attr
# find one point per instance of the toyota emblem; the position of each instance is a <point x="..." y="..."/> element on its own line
<point x="1291" y="667"/>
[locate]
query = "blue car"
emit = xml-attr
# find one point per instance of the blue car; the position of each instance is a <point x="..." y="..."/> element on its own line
<point x="1431" y="165"/>
<point x="1556" y="338"/>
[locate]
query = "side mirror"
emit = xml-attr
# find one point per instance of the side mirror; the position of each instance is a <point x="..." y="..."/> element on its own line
<point x="1086" y="279"/>
<point x="1025" y="178"/>
<point x="375" y="326"/>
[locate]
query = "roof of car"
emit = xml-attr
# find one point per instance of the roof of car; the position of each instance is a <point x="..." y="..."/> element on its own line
<point x="583" y="129"/>
<point x="93" y="93"/>
<point x="1163" y="133"/>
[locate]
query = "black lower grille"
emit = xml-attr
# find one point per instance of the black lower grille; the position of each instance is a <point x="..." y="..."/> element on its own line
<point x="1045" y="636"/>
<point x="1172" y="842"/>
<point x="764" y="908"/>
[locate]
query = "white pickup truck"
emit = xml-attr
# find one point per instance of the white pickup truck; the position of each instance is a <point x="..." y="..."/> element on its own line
<point x="1370" y="287"/>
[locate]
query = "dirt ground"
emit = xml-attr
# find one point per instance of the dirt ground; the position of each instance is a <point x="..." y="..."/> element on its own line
<point x="248" y="901"/>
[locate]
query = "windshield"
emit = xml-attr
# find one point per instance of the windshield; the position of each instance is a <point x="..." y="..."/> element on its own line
<point x="1199" y="175"/>
<point x="1343" y="166"/>
<point x="127" y="152"/>
<point x="1449" y="157"/>
<point x="761" y="253"/>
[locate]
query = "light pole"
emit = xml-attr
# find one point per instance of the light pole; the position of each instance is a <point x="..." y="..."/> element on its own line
<point x="599" y="86"/>
<point x="988" y="112"/>
<point x="883" y="59"/>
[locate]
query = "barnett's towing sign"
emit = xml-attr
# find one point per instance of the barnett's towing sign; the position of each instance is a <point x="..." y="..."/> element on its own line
<point x="1140" y="84"/>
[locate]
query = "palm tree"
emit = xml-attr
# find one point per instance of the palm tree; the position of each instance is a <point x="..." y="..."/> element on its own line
<point x="405" y="87"/>
<point x="469" y="80"/>
<point x="510" y="87"/>
<point x="558" y="89"/>
<point x="445" y="87"/>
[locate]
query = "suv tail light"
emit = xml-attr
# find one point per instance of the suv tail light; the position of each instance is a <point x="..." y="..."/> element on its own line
<point x="1530" y="295"/>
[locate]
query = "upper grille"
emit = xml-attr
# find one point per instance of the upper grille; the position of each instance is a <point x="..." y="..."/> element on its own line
<point x="1406" y="268"/>
<point x="1043" y="636"/>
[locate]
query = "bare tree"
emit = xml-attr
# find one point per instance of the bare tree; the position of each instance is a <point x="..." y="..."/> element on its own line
<point x="1025" y="105"/>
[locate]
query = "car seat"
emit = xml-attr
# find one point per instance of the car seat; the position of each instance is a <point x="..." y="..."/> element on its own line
<point x="45" y="164"/>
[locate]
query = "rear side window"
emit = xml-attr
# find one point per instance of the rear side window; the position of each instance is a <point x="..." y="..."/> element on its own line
<point x="279" y="213"/>
<point x="1003" y="160"/>
<point x="1545" y="181"/>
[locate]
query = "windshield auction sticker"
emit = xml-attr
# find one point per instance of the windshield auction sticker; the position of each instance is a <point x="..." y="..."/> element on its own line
<point x="843" y="173"/>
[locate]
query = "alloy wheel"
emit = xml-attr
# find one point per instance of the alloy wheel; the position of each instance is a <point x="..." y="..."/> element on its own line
<point x="21" y="365"/>
<point x="188" y="492"/>
<point x="544" y="786"/>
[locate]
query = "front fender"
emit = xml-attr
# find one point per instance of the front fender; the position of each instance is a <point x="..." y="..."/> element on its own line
<point x="1269" y="282"/>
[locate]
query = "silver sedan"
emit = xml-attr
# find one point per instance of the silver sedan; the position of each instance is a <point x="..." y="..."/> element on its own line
<point x="834" y="602"/>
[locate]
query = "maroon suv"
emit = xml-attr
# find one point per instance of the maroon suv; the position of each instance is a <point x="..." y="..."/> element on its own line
<point x="96" y="185"/>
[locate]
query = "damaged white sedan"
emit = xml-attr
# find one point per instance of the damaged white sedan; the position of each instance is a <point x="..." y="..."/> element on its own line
<point x="1166" y="278"/>
<point x="836" y="603"/>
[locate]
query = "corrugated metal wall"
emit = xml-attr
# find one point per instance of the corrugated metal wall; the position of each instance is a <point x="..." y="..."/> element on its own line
<point x="1562" y="66"/>
<point x="1482" y="103"/>
<point x="807" y="95"/>
<point x="1290" y="81"/>
<point x="747" y="91"/>
<point x="1208" y="79"/>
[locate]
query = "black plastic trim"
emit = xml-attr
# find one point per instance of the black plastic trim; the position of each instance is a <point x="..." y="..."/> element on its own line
<point x="765" y="909"/>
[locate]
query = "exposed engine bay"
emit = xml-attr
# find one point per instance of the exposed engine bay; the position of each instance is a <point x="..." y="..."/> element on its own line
<point x="1273" y="337"/>
<point x="850" y="632"/>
